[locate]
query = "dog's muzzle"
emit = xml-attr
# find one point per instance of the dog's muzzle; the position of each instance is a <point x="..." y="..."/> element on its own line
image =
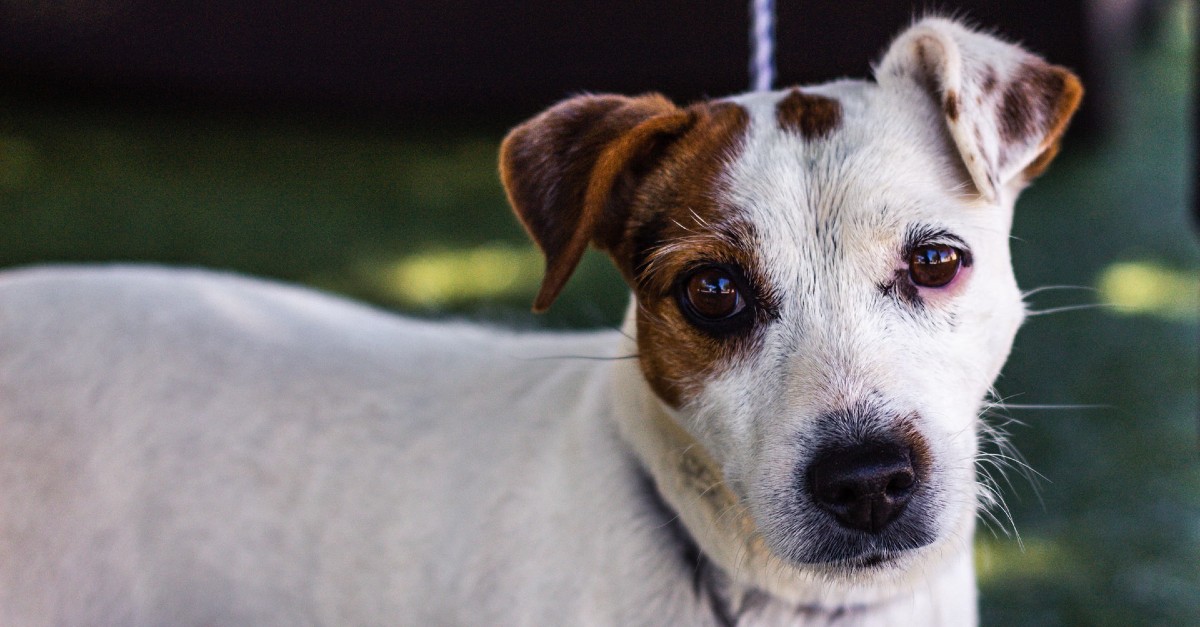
<point x="865" y="495"/>
<point x="865" y="486"/>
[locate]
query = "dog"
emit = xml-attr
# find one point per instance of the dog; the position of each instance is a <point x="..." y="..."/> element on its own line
<point x="784" y="430"/>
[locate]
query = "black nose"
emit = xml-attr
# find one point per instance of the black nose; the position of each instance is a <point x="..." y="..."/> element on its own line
<point x="865" y="486"/>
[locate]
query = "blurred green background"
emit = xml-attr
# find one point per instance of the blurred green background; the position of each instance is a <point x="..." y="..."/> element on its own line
<point x="416" y="221"/>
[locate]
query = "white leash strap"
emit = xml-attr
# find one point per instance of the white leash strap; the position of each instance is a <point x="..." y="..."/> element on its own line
<point x="762" y="38"/>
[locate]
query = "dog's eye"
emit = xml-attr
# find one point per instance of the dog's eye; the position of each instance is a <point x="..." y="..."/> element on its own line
<point x="711" y="294"/>
<point x="934" y="265"/>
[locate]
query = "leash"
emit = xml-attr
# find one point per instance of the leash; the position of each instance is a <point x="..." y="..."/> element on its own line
<point x="762" y="43"/>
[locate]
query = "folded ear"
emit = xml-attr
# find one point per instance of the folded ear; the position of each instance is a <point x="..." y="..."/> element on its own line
<point x="570" y="174"/>
<point x="1005" y="108"/>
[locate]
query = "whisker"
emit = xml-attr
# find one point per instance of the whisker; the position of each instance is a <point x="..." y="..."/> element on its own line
<point x="579" y="357"/>
<point x="1035" y="406"/>
<point x="1047" y="288"/>
<point x="678" y="224"/>
<point x="995" y="458"/>
<point x="1054" y="310"/>
<point x="995" y="522"/>
<point x="999" y="505"/>
<point x="1005" y="418"/>
<point x="1004" y="461"/>
<point x="993" y="432"/>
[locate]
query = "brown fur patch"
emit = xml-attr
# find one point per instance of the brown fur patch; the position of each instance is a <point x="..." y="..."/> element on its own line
<point x="989" y="79"/>
<point x="929" y="68"/>
<point x="1038" y="104"/>
<point x="643" y="180"/>
<point x="1066" y="102"/>
<point x="922" y="457"/>
<point x="812" y="117"/>
<point x="566" y="173"/>
<point x="678" y="221"/>
<point x="950" y="105"/>
<point x="1028" y="101"/>
<point x="1039" y="165"/>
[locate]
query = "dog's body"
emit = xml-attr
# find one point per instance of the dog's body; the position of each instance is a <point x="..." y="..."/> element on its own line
<point x="784" y="430"/>
<point x="263" y="455"/>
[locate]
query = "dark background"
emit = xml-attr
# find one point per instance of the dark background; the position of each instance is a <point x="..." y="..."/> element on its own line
<point x="462" y="58"/>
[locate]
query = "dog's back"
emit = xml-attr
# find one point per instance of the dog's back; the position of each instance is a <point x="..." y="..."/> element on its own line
<point x="187" y="448"/>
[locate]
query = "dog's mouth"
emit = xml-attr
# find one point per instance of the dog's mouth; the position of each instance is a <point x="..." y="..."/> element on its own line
<point x="879" y="562"/>
<point x="869" y="561"/>
<point x="829" y="546"/>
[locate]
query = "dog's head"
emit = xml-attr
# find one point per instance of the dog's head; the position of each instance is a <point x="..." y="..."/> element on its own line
<point x="823" y="293"/>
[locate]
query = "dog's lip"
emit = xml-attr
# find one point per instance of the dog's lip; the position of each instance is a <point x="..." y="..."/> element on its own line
<point x="873" y="559"/>
<point x="868" y="560"/>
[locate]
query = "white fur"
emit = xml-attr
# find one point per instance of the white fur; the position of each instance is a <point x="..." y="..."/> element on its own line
<point x="187" y="448"/>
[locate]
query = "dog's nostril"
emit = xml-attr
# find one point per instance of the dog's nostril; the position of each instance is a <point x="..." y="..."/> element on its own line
<point x="866" y="486"/>
<point x="901" y="483"/>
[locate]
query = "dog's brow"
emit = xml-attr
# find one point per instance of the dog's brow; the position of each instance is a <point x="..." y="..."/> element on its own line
<point x="723" y="242"/>
<point x="920" y="234"/>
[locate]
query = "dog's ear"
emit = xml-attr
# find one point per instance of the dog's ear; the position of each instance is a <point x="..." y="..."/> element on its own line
<point x="1005" y="108"/>
<point x="571" y="171"/>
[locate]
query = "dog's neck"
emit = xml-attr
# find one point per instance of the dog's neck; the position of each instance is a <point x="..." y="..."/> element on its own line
<point x="692" y="485"/>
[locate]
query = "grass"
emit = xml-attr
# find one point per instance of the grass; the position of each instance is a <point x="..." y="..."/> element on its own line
<point x="342" y="208"/>
<point x="418" y="222"/>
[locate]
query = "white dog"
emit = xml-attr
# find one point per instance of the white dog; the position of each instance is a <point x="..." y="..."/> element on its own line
<point x="783" y="432"/>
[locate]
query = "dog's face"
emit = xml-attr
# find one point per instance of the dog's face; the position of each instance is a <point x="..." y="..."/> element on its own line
<point x="822" y="278"/>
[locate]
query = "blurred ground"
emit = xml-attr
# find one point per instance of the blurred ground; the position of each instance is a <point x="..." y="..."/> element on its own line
<point x="418" y="222"/>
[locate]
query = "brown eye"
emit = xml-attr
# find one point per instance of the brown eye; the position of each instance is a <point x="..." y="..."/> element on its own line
<point x="712" y="294"/>
<point x="718" y="300"/>
<point x="934" y="265"/>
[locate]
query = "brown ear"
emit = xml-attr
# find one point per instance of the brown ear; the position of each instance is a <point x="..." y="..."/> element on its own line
<point x="1005" y="108"/>
<point x="570" y="172"/>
